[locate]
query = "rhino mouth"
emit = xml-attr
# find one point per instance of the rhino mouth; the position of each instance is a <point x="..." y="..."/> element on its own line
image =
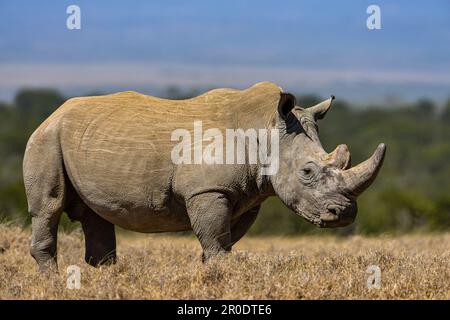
<point x="337" y="216"/>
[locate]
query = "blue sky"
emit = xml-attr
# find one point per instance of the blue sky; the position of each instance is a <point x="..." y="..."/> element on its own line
<point x="304" y="46"/>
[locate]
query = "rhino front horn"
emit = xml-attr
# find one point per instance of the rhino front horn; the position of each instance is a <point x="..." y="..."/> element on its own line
<point x="359" y="178"/>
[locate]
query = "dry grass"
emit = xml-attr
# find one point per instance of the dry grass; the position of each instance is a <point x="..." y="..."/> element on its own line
<point x="161" y="267"/>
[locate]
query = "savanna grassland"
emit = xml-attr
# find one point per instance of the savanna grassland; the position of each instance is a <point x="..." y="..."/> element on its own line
<point x="168" y="267"/>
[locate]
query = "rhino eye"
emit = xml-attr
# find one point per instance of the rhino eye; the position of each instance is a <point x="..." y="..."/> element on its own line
<point x="307" y="173"/>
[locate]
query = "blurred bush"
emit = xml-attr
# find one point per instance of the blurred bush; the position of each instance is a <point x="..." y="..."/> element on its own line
<point x="411" y="193"/>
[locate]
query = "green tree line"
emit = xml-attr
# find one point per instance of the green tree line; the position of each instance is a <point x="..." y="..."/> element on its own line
<point x="411" y="193"/>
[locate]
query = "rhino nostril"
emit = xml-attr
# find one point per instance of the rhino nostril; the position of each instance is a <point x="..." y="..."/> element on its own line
<point x="334" y="209"/>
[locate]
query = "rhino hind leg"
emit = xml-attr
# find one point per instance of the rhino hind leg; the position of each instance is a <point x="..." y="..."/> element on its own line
<point x="100" y="239"/>
<point x="209" y="214"/>
<point x="45" y="188"/>
<point x="43" y="246"/>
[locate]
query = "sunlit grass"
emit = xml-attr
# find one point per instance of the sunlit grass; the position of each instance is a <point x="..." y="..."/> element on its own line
<point x="168" y="267"/>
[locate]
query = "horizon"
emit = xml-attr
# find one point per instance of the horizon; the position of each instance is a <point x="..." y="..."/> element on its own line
<point x="149" y="47"/>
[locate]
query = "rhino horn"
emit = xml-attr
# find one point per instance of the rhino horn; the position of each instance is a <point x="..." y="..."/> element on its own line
<point x="319" y="110"/>
<point x="360" y="177"/>
<point x="340" y="157"/>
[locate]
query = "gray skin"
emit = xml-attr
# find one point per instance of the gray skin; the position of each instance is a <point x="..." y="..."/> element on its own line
<point x="105" y="161"/>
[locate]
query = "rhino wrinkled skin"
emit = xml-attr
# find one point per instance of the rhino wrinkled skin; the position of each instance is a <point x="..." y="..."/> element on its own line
<point x="105" y="161"/>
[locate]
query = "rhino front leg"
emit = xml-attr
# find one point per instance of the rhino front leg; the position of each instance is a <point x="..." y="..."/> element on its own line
<point x="100" y="239"/>
<point x="243" y="224"/>
<point x="210" y="215"/>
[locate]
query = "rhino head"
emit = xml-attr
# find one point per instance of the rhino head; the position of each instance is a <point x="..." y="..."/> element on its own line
<point x="319" y="186"/>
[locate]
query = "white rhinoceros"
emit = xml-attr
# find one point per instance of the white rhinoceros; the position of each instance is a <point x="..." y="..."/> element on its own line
<point x="107" y="160"/>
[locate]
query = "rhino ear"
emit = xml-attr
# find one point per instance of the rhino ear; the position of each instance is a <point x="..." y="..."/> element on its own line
<point x="286" y="104"/>
<point x="319" y="110"/>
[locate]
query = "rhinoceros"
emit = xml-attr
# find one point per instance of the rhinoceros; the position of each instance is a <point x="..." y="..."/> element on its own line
<point x="106" y="161"/>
